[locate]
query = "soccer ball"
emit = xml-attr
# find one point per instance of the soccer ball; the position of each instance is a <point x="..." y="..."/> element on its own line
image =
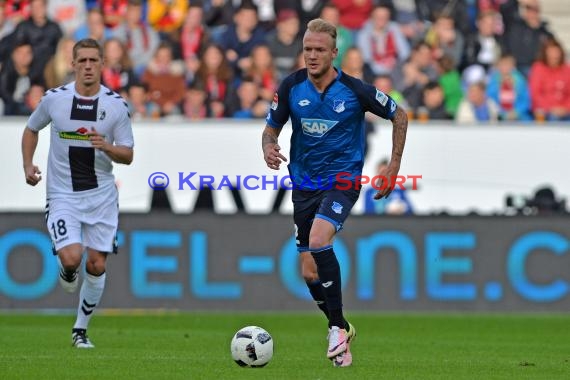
<point x="252" y="346"/>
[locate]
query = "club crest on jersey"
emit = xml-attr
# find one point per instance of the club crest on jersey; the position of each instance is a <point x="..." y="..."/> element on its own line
<point x="101" y="115"/>
<point x="338" y="106"/>
<point x="381" y="97"/>
<point x="275" y="102"/>
<point x="317" y="127"/>
<point x="337" y="207"/>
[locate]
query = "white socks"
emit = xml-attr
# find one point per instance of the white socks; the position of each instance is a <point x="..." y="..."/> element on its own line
<point x="89" y="297"/>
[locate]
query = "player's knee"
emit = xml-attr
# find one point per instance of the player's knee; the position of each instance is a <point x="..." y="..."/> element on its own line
<point x="96" y="267"/>
<point x="69" y="262"/>
<point x="318" y="241"/>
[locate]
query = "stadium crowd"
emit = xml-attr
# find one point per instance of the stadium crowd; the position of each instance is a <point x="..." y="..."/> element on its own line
<point x="463" y="60"/>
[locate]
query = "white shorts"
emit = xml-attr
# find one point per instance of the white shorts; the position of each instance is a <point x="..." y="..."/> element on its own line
<point x="90" y="220"/>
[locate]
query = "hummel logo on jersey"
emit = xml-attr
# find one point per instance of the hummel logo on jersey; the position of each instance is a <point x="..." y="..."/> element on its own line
<point x="84" y="106"/>
<point x="304" y="102"/>
<point x="327" y="284"/>
<point x="317" y="127"/>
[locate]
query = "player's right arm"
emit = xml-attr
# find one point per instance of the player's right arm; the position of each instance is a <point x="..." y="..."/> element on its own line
<point x="29" y="144"/>
<point x="271" y="148"/>
<point x="38" y="120"/>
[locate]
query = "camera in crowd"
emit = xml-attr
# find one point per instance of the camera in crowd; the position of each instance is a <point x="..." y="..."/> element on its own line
<point x="544" y="201"/>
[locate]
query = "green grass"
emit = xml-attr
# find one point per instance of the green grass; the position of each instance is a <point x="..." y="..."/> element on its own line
<point x="196" y="346"/>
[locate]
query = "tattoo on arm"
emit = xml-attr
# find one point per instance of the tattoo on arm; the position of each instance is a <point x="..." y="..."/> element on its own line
<point x="400" y="128"/>
<point x="269" y="136"/>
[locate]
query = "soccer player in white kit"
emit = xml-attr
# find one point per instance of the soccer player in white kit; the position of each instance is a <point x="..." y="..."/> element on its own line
<point x="90" y="129"/>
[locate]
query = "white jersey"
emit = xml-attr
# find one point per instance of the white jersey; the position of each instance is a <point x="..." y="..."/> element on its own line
<point x="74" y="166"/>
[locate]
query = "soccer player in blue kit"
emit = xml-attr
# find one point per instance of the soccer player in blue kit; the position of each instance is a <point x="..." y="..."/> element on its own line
<point x="327" y="110"/>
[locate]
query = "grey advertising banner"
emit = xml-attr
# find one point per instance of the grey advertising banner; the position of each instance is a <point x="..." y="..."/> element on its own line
<point x="206" y="261"/>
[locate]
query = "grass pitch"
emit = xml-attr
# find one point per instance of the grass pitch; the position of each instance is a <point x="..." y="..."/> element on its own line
<point x="196" y="346"/>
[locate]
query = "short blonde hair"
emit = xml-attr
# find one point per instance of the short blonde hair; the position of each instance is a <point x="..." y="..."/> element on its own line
<point x="319" y="25"/>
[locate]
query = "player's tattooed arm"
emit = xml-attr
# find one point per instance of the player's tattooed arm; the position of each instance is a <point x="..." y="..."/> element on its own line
<point x="399" y="131"/>
<point x="271" y="148"/>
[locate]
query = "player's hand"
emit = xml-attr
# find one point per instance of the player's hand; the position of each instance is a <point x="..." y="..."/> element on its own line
<point x="33" y="175"/>
<point x="272" y="156"/>
<point x="387" y="180"/>
<point x="98" y="141"/>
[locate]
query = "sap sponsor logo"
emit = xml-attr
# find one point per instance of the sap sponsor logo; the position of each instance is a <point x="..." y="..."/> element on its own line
<point x="317" y="127"/>
<point x="381" y="97"/>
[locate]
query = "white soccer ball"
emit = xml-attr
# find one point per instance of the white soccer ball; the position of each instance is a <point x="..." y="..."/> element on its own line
<point x="252" y="346"/>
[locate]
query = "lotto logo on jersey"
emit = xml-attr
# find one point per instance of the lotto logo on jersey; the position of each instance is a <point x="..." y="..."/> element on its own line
<point x="317" y="127"/>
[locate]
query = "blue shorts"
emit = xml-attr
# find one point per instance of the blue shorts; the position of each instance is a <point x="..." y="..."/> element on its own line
<point x="332" y="205"/>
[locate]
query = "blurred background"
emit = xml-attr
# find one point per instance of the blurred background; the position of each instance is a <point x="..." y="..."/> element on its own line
<point x="483" y="227"/>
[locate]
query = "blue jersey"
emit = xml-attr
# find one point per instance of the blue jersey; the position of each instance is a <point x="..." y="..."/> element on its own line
<point x="328" y="128"/>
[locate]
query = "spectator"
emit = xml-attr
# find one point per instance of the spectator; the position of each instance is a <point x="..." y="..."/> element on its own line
<point x="263" y="72"/>
<point x="306" y="9"/>
<point x="195" y="102"/>
<point x="285" y="42"/>
<point x="247" y="104"/>
<point x="242" y="35"/>
<point x="95" y="27"/>
<point x="216" y="75"/>
<point x="450" y="82"/>
<point x="384" y="47"/>
<point x="139" y="103"/>
<point x="433" y="103"/>
<point x="192" y="38"/>
<point x="68" y="14"/>
<point x="525" y="31"/>
<point x="407" y="15"/>
<point x="33" y="97"/>
<point x="114" y="12"/>
<point x="117" y="73"/>
<point x="42" y="33"/>
<point x="549" y="80"/>
<point x="165" y="79"/>
<point x="417" y="72"/>
<point x="59" y="69"/>
<point x="17" y="77"/>
<point x="483" y="47"/>
<point x="354" y="65"/>
<point x="7" y="25"/>
<point x="354" y="14"/>
<point x="397" y="203"/>
<point x="476" y="106"/>
<point x="218" y="15"/>
<point x="140" y="39"/>
<point x="509" y="89"/>
<point x="344" y="37"/>
<point x="445" y="39"/>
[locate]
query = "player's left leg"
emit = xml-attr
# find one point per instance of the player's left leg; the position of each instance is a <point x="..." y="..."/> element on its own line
<point x="89" y="296"/>
<point x="99" y="234"/>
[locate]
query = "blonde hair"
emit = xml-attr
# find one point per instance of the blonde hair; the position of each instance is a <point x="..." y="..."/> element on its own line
<point x="319" y="25"/>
